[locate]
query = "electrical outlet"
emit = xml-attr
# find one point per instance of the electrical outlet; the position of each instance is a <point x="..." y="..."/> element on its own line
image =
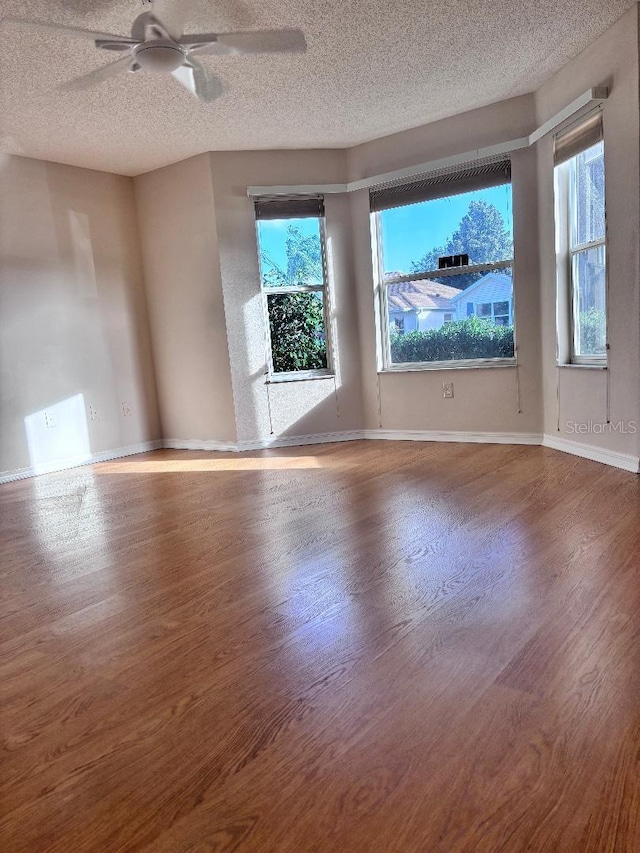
<point x="447" y="390"/>
<point x="93" y="413"/>
<point x="126" y="410"/>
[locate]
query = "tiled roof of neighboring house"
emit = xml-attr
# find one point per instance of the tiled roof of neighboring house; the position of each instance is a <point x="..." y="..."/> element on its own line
<point x="410" y="295"/>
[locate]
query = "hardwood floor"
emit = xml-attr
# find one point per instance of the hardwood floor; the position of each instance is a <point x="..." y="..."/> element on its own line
<point x="360" y="647"/>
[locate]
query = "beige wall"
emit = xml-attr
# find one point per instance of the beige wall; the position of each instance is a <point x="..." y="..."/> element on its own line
<point x="501" y="122"/>
<point x="612" y="61"/>
<point x="74" y="331"/>
<point x="301" y="407"/>
<point x="485" y="399"/>
<point x="186" y="311"/>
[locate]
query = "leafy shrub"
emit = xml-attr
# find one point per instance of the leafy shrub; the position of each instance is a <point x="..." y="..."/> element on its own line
<point x="297" y="332"/>
<point x="592" y="332"/>
<point x="470" y="338"/>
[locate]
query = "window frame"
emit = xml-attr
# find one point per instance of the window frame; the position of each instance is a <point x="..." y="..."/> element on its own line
<point x="324" y="289"/>
<point x="573" y="254"/>
<point x="508" y="314"/>
<point x="381" y="284"/>
<point x="566" y="213"/>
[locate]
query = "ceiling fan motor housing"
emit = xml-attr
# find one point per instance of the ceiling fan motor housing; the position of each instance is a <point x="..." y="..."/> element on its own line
<point x="159" y="56"/>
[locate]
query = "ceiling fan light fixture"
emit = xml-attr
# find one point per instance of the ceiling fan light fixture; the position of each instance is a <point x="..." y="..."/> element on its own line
<point x="159" y="58"/>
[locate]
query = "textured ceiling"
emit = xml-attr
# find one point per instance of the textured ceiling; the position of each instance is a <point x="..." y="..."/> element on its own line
<point x="373" y="67"/>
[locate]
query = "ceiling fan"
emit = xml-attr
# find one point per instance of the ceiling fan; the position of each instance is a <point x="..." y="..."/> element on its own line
<point x="158" y="44"/>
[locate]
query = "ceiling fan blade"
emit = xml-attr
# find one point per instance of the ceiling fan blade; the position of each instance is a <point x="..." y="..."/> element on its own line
<point x="172" y="14"/>
<point x="146" y="27"/>
<point x="105" y="72"/>
<point x="259" y="41"/>
<point x="49" y="28"/>
<point x="194" y="77"/>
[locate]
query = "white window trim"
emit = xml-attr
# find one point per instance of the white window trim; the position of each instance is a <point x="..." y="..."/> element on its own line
<point x="597" y="360"/>
<point x="299" y="376"/>
<point x="272" y="377"/>
<point x="386" y="365"/>
<point x="452" y="364"/>
<point x="566" y="211"/>
<point x="450" y="272"/>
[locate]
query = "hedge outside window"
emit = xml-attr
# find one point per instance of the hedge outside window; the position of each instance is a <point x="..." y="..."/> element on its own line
<point x="292" y="273"/>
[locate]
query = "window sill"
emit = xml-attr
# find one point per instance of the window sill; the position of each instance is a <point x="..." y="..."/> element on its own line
<point x="303" y="376"/>
<point x="582" y="366"/>
<point x="471" y="364"/>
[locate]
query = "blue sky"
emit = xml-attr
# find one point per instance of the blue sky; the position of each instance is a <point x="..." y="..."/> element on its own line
<point x="272" y="234"/>
<point x="408" y="232"/>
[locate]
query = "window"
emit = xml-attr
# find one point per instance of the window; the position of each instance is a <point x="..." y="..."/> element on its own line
<point x="459" y="316"/>
<point x="498" y="312"/>
<point x="580" y="243"/>
<point x="398" y="322"/>
<point x="501" y="313"/>
<point x="293" y="278"/>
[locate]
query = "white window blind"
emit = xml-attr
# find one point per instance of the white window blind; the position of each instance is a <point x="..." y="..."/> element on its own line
<point x="447" y="182"/>
<point x="577" y="138"/>
<point x="289" y="206"/>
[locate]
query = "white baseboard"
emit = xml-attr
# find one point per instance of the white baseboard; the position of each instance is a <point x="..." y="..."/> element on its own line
<point x="300" y="440"/>
<point x="261" y="444"/>
<point x="624" y="461"/>
<point x="77" y="461"/>
<point x="356" y="435"/>
<point x="597" y="454"/>
<point x="199" y="444"/>
<point x="436" y="435"/>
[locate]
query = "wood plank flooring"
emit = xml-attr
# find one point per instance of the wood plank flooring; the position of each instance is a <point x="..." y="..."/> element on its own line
<point x="370" y="646"/>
